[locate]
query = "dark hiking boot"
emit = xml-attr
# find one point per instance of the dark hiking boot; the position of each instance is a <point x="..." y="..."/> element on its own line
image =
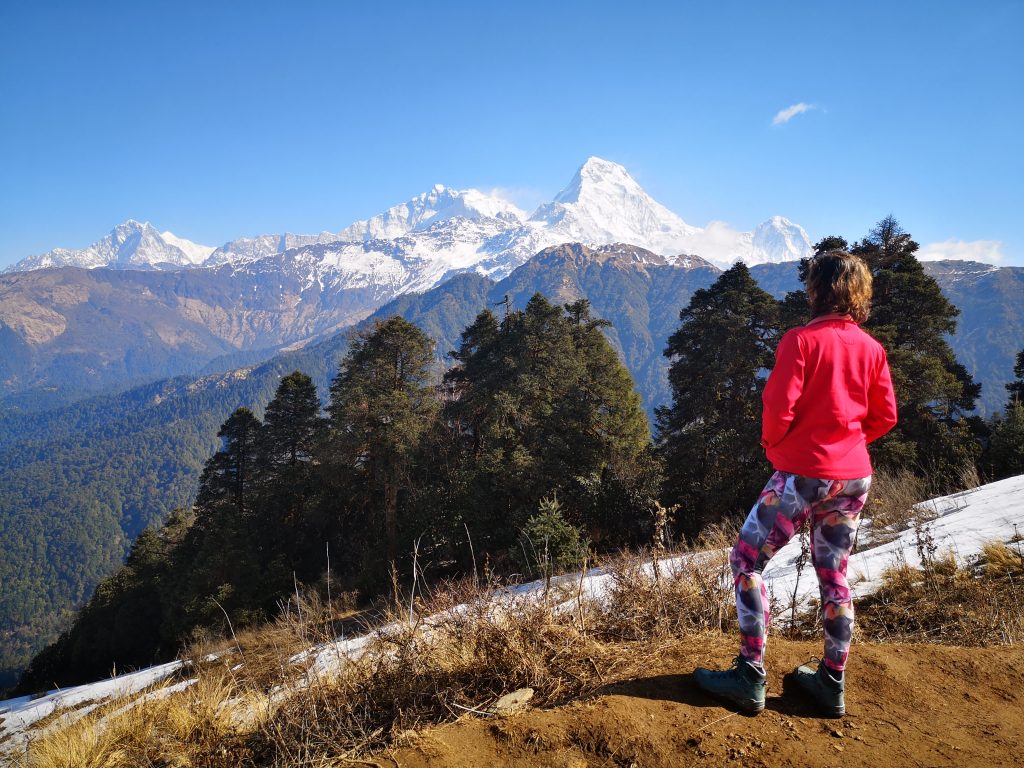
<point x="743" y="684"/>
<point x="821" y="683"/>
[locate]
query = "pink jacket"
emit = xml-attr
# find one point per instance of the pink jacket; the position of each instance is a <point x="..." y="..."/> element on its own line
<point x="829" y="395"/>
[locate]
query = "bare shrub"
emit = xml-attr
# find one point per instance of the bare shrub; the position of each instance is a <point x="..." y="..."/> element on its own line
<point x="659" y="599"/>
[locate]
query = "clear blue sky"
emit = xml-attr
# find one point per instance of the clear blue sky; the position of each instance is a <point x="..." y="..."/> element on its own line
<point x="221" y="119"/>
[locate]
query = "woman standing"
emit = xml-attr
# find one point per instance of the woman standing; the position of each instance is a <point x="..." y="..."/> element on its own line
<point x="829" y="395"/>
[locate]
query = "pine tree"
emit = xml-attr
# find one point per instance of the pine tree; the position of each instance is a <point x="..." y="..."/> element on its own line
<point x="221" y="547"/>
<point x="935" y="394"/>
<point x="1004" y="454"/>
<point x="291" y="545"/>
<point x="542" y="404"/>
<point x="709" y="437"/>
<point x="1016" y="387"/>
<point x="292" y="425"/>
<point x="383" y="403"/>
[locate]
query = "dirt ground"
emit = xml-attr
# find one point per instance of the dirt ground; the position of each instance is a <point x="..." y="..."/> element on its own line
<point x="907" y="705"/>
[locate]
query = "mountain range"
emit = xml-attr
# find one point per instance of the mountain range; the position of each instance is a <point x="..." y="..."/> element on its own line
<point x="446" y="230"/>
<point x="140" y="305"/>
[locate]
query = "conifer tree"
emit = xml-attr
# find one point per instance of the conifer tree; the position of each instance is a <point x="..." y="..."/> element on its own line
<point x="709" y="437"/>
<point x="1016" y="387"/>
<point x="289" y="542"/>
<point x="543" y="405"/>
<point x="1004" y="454"/>
<point x="221" y="546"/>
<point x="383" y="403"/>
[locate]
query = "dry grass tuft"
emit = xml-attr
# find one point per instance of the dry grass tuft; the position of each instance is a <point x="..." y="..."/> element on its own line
<point x="978" y="604"/>
<point x="206" y="724"/>
<point x="891" y="506"/>
<point x="667" y="599"/>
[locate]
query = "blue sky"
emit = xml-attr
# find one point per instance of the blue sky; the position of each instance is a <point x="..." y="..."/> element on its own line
<point x="221" y="119"/>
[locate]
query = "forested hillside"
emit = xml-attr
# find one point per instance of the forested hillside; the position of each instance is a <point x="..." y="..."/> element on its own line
<point x="80" y="483"/>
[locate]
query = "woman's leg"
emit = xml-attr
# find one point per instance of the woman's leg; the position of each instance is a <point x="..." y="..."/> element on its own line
<point x="782" y="507"/>
<point x="835" y="518"/>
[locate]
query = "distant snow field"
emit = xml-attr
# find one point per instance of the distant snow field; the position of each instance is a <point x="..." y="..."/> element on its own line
<point x="963" y="524"/>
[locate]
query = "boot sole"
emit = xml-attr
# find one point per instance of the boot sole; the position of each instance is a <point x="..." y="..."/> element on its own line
<point x="747" y="706"/>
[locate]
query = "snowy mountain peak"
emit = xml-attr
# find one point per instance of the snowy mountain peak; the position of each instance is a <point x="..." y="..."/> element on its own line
<point x="129" y="245"/>
<point x="779" y="239"/>
<point x="599" y="177"/>
<point x="443" y="231"/>
<point x="604" y="204"/>
<point x="427" y="209"/>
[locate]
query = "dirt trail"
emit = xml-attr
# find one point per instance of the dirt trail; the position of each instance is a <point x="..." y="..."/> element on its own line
<point x="907" y="705"/>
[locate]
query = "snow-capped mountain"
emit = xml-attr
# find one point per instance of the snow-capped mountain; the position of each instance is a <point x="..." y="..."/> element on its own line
<point x="431" y="208"/>
<point x="413" y="245"/>
<point x="131" y="245"/>
<point x="604" y="204"/>
<point x="246" y="249"/>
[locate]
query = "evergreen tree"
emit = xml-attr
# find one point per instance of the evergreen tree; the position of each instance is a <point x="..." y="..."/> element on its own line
<point x="1016" y="387"/>
<point x="1004" y="454"/>
<point x="383" y="403"/>
<point x="222" y="544"/>
<point x="934" y="392"/>
<point x="541" y="404"/>
<point x="710" y="436"/>
<point x="289" y="541"/>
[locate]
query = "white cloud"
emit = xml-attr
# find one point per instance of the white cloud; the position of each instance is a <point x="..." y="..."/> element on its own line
<point x="987" y="251"/>
<point x="720" y="243"/>
<point x="785" y="115"/>
<point x="524" y="198"/>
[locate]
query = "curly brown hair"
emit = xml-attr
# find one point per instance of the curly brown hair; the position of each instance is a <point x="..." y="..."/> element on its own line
<point x="840" y="282"/>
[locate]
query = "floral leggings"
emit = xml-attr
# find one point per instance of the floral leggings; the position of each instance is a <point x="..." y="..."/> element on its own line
<point x="786" y="502"/>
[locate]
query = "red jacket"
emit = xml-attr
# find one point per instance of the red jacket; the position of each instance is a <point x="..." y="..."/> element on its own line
<point x="829" y="395"/>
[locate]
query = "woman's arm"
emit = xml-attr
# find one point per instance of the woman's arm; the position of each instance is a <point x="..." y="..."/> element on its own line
<point x="782" y="390"/>
<point x="881" y="404"/>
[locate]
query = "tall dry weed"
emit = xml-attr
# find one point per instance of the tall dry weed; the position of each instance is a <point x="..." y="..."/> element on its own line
<point x="891" y="505"/>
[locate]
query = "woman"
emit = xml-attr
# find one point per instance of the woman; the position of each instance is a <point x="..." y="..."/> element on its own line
<point x="829" y="395"/>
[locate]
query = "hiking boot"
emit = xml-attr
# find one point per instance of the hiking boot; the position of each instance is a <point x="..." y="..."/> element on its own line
<point x="821" y="683"/>
<point x="743" y="684"/>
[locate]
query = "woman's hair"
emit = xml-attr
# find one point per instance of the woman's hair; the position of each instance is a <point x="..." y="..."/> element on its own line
<point x="840" y="282"/>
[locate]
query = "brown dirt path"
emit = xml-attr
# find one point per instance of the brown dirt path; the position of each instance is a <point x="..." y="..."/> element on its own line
<point x="907" y="705"/>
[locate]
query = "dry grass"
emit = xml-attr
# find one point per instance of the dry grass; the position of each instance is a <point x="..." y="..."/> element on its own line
<point x="452" y="650"/>
<point x="206" y="724"/>
<point x="978" y="604"/>
<point x="891" y="504"/>
<point x="458" y="648"/>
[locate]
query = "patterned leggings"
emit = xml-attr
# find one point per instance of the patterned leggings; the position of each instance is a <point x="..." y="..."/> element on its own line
<point x="786" y="502"/>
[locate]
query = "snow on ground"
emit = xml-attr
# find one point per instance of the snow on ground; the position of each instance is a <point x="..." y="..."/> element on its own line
<point x="962" y="523"/>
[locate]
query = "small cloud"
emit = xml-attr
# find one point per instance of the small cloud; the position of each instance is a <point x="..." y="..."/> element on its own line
<point x="986" y="251"/>
<point x="787" y="114"/>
